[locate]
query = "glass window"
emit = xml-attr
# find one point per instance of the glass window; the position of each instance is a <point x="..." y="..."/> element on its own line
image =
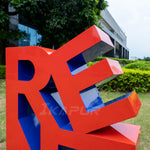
<point x="32" y="38"/>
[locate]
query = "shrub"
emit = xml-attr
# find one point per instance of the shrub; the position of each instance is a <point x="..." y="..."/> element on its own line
<point x="146" y="59"/>
<point x="131" y="80"/>
<point x="2" y="72"/>
<point x="91" y="63"/>
<point x="140" y="65"/>
<point x="121" y="61"/>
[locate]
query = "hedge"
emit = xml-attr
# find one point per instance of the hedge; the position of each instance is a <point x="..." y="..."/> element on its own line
<point x="131" y="80"/>
<point x="140" y="65"/>
<point x="137" y="80"/>
<point x="2" y="72"/>
<point x="121" y="61"/>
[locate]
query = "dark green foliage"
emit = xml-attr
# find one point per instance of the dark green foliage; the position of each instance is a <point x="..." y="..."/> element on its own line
<point x="2" y="72"/>
<point x="7" y="33"/>
<point x="139" y="65"/>
<point x="121" y="61"/>
<point x="131" y="80"/>
<point x="146" y="59"/>
<point x="58" y="21"/>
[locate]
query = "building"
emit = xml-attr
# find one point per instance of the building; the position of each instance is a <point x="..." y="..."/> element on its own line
<point x="117" y="36"/>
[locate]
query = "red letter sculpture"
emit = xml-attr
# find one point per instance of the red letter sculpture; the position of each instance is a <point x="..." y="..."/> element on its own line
<point x="53" y="103"/>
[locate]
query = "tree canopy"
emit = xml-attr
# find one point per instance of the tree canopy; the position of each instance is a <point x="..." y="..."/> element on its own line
<point x="58" y="21"/>
<point x="6" y="33"/>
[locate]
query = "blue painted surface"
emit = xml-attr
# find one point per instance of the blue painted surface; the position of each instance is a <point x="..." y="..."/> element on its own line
<point x="29" y="122"/>
<point x="55" y="105"/>
<point x="118" y="99"/>
<point x="90" y="96"/>
<point x="91" y="99"/>
<point x="25" y="70"/>
<point x="60" y="147"/>
<point x="77" y="64"/>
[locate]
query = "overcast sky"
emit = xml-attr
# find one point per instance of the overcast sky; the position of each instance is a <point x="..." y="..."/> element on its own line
<point x="133" y="16"/>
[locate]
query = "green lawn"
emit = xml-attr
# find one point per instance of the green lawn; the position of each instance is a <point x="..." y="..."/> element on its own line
<point x="2" y="115"/>
<point x="143" y="118"/>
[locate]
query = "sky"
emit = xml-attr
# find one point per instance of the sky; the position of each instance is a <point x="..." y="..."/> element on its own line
<point x="133" y="16"/>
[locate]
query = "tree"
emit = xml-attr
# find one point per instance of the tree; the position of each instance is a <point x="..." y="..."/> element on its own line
<point x="57" y="21"/>
<point x="146" y="59"/>
<point x="6" y="33"/>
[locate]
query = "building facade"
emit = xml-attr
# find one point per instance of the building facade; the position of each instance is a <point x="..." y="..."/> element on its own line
<point x="117" y="36"/>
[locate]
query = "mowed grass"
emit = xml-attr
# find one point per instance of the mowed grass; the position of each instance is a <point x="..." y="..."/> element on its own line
<point x="142" y="119"/>
<point x="2" y="115"/>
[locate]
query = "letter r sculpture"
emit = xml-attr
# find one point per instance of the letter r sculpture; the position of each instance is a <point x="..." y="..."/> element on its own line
<point x="52" y="102"/>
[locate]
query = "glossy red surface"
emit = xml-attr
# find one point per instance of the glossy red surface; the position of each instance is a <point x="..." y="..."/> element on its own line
<point x="47" y="63"/>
